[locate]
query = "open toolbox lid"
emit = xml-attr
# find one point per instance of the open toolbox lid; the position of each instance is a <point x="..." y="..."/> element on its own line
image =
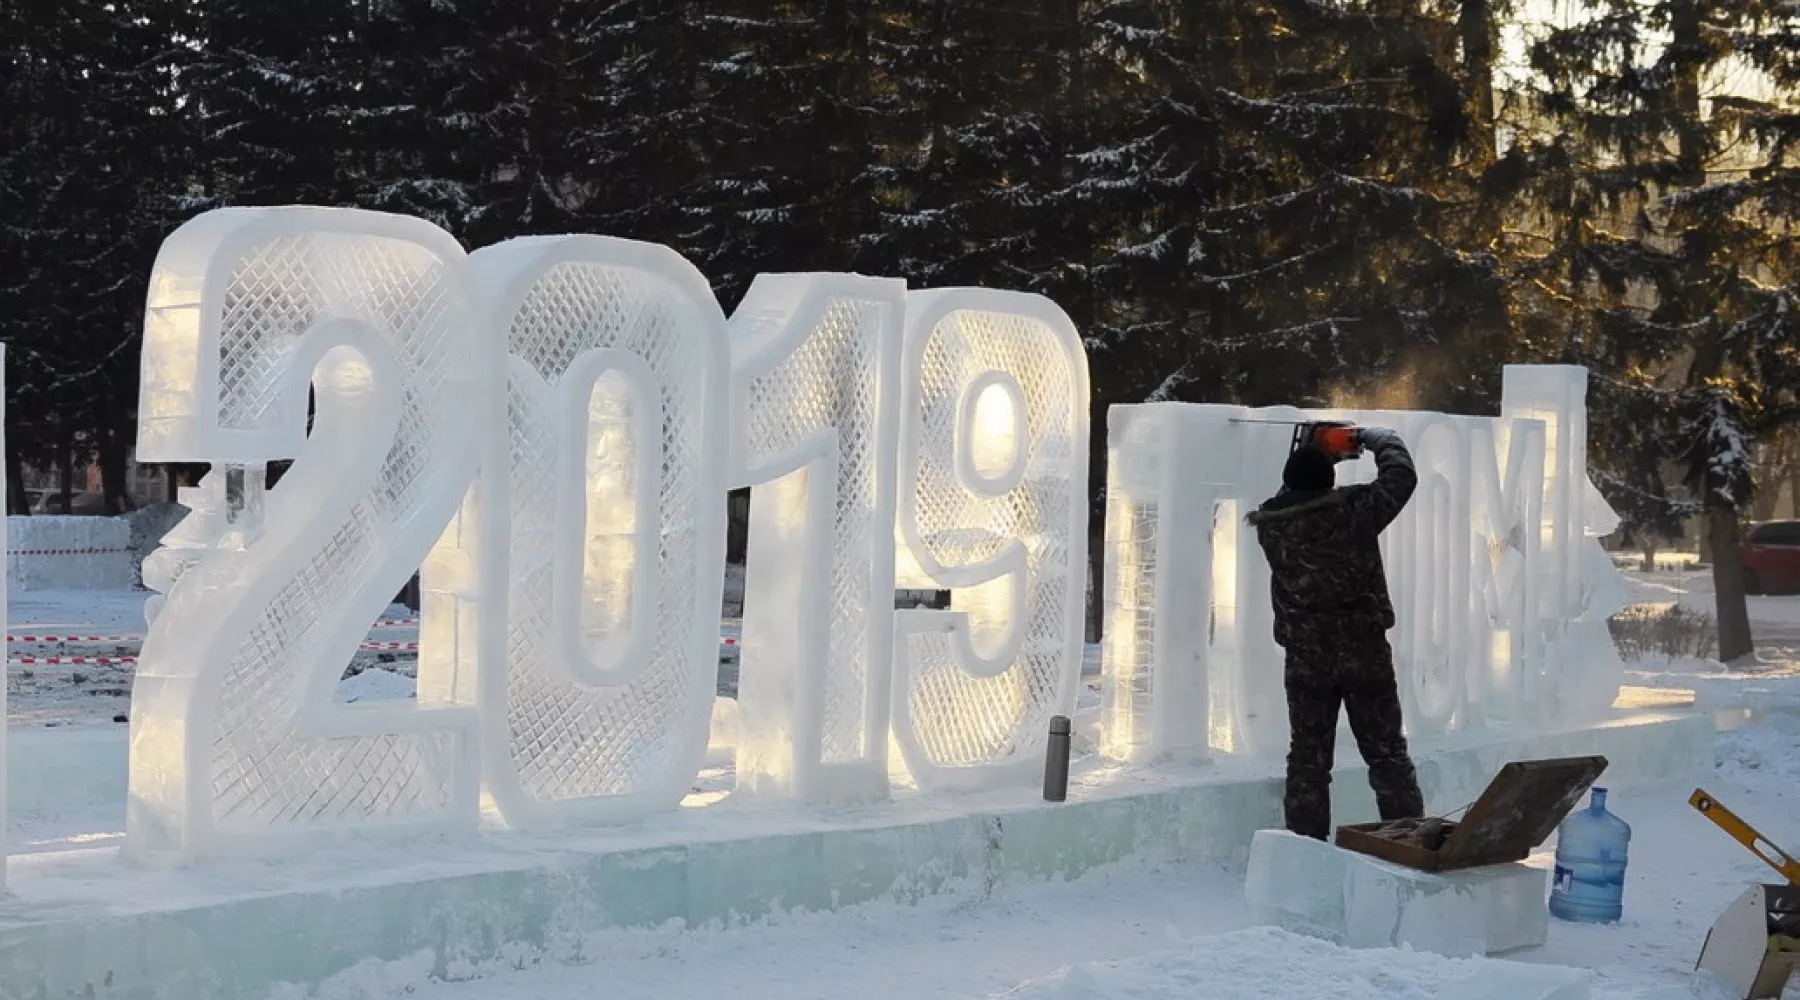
<point x="1522" y="806"/>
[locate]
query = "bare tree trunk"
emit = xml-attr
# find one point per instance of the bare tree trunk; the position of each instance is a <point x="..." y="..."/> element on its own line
<point x="114" y="471"/>
<point x="1762" y="505"/>
<point x="1475" y="28"/>
<point x="1096" y="601"/>
<point x="1735" y="640"/>
<point x="65" y="464"/>
<point x="1794" y="489"/>
<point x="18" y="502"/>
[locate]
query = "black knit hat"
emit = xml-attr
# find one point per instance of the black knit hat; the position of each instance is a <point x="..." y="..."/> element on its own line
<point x="1309" y="470"/>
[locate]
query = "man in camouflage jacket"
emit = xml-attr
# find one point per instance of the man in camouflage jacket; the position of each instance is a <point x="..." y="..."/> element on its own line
<point x="1332" y="614"/>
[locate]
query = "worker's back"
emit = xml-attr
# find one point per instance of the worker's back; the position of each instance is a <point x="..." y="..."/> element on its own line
<point x="1323" y="547"/>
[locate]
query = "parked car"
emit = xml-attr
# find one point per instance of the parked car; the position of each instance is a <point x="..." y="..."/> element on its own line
<point x="1772" y="558"/>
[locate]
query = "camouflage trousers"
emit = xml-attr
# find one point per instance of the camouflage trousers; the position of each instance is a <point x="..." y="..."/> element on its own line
<point x="1354" y="670"/>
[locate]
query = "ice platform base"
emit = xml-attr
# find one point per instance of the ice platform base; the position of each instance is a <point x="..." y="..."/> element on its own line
<point x="1310" y="887"/>
<point x="80" y="923"/>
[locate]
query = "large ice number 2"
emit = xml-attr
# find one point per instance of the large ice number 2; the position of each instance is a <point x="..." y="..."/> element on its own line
<point x="234" y="737"/>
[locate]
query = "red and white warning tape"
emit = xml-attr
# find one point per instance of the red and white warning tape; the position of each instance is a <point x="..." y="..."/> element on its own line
<point x="127" y="637"/>
<point x="74" y="638"/>
<point x="104" y="661"/>
<point x="26" y="661"/>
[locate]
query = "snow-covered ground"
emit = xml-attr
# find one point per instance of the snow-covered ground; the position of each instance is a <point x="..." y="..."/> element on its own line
<point x="1775" y="620"/>
<point x="1155" y="916"/>
<point x="1137" y="930"/>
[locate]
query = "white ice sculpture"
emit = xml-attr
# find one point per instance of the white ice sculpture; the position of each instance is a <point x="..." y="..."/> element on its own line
<point x="816" y="403"/>
<point x="993" y="507"/>
<point x="5" y="542"/>
<point x="235" y="741"/>
<point x="606" y="478"/>
<point x="1156" y="704"/>
<point x="1492" y="570"/>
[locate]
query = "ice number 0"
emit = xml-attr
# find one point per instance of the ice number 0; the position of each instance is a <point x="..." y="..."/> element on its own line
<point x="815" y="397"/>
<point x="993" y="507"/>
<point x="604" y="509"/>
<point x="235" y="740"/>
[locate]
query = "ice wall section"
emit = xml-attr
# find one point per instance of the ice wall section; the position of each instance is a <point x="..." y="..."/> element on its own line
<point x="1500" y="587"/>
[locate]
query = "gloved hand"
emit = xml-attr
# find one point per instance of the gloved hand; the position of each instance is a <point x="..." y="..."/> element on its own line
<point x="1375" y="437"/>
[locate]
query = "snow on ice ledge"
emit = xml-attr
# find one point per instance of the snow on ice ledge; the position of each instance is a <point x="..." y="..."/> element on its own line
<point x="78" y="924"/>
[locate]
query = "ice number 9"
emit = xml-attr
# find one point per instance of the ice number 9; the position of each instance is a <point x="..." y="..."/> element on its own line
<point x="992" y="507"/>
<point x="603" y="507"/>
<point x="235" y="740"/>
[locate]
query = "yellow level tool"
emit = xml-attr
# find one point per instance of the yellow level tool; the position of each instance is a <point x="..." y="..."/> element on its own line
<point x="1746" y="834"/>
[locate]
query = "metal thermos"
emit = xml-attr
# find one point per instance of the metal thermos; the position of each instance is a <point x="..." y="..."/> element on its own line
<point x="1056" y="761"/>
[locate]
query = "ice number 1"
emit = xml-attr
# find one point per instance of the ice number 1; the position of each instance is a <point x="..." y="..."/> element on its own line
<point x="993" y="507"/>
<point x="235" y="739"/>
<point x="815" y="397"/>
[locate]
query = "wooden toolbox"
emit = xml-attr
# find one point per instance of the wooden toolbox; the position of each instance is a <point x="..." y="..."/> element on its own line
<point x="1520" y="809"/>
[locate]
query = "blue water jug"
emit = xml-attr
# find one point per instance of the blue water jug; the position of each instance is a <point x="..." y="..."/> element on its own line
<point x="1589" y="884"/>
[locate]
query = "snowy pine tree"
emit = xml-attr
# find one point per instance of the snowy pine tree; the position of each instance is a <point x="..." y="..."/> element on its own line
<point x="1659" y="248"/>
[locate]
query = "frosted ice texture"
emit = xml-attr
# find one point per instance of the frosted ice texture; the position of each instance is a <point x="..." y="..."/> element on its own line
<point x="1157" y="704"/>
<point x="993" y="507"/>
<point x="816" y="404"/>
<point x="1491" y="910"/>
<point x="235" y="742"/>
<point x="612" y="490"/>
<point x="1499" y="585"/>
<point x="5" y="546"/>
<point x="1313" y="888"/>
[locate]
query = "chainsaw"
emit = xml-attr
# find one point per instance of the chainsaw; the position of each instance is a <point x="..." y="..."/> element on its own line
<point x="1339" y="439"/>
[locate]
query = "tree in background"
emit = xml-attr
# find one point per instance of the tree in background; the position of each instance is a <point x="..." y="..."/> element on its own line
<point x="94" y="175"/>
<point x="1658" y="248"/>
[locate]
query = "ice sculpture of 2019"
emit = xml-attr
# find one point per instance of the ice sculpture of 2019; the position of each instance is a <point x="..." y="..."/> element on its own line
<point x="1497" y="582"/>
<point x="548" y="429"/>
<point x="5" y="738"/>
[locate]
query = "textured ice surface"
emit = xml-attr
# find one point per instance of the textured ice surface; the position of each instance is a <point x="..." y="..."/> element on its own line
<point x="1496" y="550"/>
<point x="236" y="742"/>
<point x="1314" y="888"/>
<point x="1297" y="883"/>
<point x="1482" y="911"/>
<point x="816" y="402"/>
<point x="596" y="675"/>
<point x="992" y="506"/>
<point x="1270" y="964"/>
